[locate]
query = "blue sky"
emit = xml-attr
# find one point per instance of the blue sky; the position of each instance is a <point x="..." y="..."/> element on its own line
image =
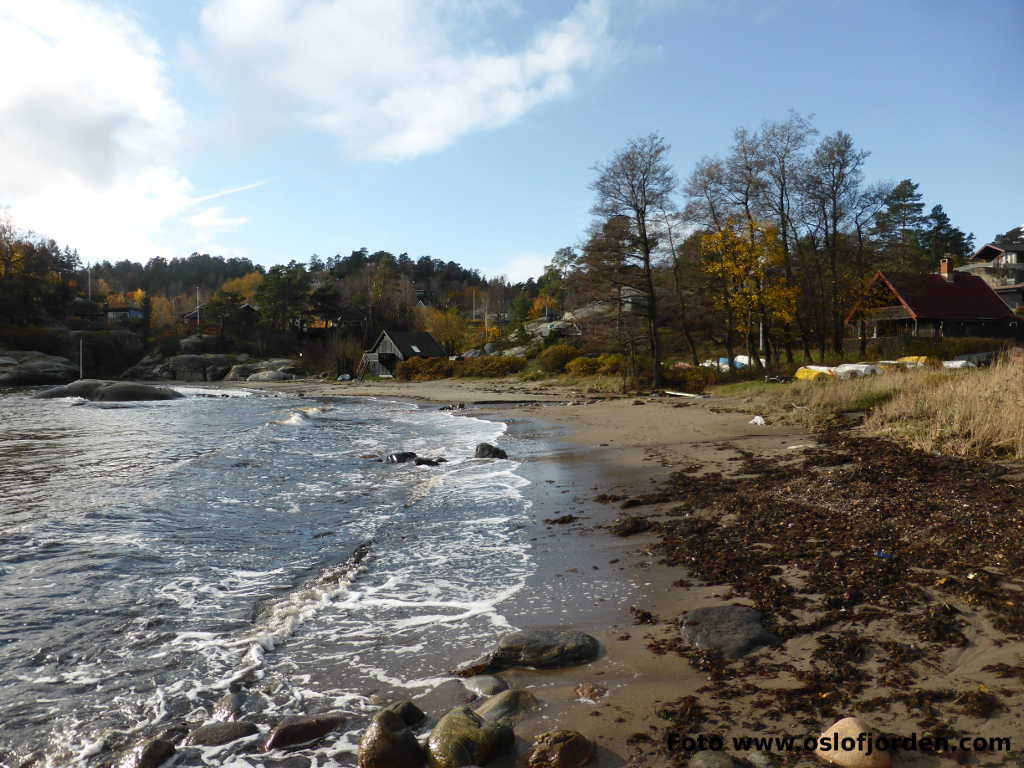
<point x="468" y="129"/>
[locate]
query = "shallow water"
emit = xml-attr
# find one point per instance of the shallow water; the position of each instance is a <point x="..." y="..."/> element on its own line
<point x="154" y="555"/>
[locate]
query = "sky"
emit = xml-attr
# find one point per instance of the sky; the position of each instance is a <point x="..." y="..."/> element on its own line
<point x="469" y="130"/>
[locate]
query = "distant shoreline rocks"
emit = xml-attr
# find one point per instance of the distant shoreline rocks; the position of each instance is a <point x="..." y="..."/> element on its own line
<point x="23" y="368"/>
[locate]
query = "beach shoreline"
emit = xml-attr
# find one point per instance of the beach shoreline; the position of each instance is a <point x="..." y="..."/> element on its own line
<point x="630" y="450"/>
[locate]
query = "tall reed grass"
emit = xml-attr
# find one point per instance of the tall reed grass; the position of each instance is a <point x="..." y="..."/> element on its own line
<point x="960" y="412"/>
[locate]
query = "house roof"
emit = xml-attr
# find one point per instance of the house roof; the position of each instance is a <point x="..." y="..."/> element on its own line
<point x="412" y="343"/>
<point x="932" y="297"/>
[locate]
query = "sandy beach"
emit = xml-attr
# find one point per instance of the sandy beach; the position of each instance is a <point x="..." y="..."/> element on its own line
<point x="828" y="537"/>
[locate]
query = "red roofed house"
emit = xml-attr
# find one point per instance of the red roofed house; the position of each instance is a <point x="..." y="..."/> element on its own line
<point x="949" y="303"/>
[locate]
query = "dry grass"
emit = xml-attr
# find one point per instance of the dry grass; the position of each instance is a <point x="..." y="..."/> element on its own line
<point x="966" y="412"/>
<point x="958" y="413"/>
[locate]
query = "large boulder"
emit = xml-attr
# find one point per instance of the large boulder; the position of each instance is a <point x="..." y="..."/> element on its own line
<point x="270" y="376"/>
<point x="488" y="451"/>
<point x="508" y="707"/>
<point x="463" y="738"/>
<point x="19" y="368"/>
<point x="388" y="743"/>
<point x="243" y="371"/>
<point x="111" y="391"/>
<point x="539" y="648"/>
<point x="295" y="731"/>
<point x="728" y="631"/>
<point x="560" y="749"/>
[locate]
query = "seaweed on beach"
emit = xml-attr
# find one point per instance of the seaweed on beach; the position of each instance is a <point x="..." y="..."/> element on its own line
<point x="835" y="541"/>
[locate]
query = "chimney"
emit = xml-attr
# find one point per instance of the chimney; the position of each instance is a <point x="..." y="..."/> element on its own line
<point x="946" y="269"/>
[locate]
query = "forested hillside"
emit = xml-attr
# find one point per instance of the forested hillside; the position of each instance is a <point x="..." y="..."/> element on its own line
<point x="764" y="247"/>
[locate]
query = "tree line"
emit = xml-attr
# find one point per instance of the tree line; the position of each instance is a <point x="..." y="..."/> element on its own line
<point x="761" y="250"/>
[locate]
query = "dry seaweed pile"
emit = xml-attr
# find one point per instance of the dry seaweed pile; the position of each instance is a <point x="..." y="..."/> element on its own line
<point x="862" y="531"/>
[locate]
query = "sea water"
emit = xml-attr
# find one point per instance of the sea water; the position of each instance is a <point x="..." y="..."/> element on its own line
<point x="156" y="555"/>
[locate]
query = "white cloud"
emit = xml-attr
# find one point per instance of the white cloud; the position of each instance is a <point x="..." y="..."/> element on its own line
<point x="519" y="269"/>
<point x="393" y="79"/>
<point x="89" y="132"/>
<point x="215" y="219"/>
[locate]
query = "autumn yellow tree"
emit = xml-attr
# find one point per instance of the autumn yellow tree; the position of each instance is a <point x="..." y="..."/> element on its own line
<point x="245" y="286"/>
<point x="541" y="305"/>
<point x="743" y="261"/>
<point x="450" y="328"/>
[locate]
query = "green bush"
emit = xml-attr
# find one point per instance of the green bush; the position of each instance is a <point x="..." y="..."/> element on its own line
<point x="432" y="368"/>
<point x="691" y="379"/>
<point x="612" y="363"/>
<point x="490" y="366"/>
<point x="424" y="369"/>
<point x="554" y="358"/>
<point x="583" y="366"/>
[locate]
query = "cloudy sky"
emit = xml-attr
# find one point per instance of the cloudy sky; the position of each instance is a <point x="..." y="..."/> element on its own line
<point x="468" y="129"/>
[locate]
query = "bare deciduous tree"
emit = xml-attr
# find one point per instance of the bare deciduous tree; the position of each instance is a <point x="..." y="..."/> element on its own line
<point x="637" y="183"/>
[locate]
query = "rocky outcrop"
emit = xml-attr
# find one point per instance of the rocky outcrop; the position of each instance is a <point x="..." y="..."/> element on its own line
<point x="388" y="743"/>
<point x="19" y="368"/>
<point x="539" y="648"/>
<point x="508" y="707"/>
<point x="110" y="391"/>
<point x="729" y="631"/>
<point x="560" y="749"/>
<point x="463" y="738"/>
<point x="216" y="734"/>
<point x="488" y="451"/>
<point x="294" y="731"/>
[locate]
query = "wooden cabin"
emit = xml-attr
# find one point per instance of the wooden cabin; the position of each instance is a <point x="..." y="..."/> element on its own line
<point x="391" y="347"/>
<point x="949" y="303"/>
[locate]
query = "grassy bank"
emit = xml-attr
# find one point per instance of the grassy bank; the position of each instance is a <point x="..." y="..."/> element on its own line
<point x="967" y="412"/>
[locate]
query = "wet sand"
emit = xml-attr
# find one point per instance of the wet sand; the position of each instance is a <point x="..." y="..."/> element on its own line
<point x="862" y="662"/>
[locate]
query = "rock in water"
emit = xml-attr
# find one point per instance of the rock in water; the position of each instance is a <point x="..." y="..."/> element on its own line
<point x="388" y="743"/>
<point x="540" y="648"/>
<point x="846" y="744"/>
<point x="80" y="388"/>
<point x="488" y="451"/>
<point x="215" y="734"/>
<point x="508" y="707"/>
<point x="485" y="685"/>
<point x="400" y="458"/>
<point x="152" y="754"/>
<point x="228" y="707"/>
<point x="411" y="714"/>
<point x="127" y="391"/>
<point x="560" y="749"/>
<point x="293" y="731"/>
<point x="111" y="391"/>
<point x="729" y="631"/>
<point x="463" y="738"/>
